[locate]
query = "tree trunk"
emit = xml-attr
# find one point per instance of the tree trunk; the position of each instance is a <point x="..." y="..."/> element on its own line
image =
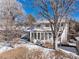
<point x="53" y="36"/>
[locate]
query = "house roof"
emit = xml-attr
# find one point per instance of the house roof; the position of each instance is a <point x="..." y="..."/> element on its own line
<point x="42" y="21"/>
<point x="41" y="29"/>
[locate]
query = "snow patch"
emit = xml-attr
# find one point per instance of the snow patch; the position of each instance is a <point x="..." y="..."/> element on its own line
<point x="5" y="48"/>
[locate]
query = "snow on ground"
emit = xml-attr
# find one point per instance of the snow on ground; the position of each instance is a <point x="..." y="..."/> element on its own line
<point x="77" y="38"/>
<point x="28" y="45"/>
<point x="5" y="48"/>
<point x="70" y="53"/>
<point x="31" y="47"/>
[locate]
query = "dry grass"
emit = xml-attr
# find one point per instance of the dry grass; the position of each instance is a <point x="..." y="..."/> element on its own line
<point x="35" y="53"/>
<point x="47" y="45"/>
<point x="18" y="53"/>
<point x="58" y="55"/>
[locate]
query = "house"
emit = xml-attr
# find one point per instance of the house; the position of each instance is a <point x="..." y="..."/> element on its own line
<point x="41" y="30"/>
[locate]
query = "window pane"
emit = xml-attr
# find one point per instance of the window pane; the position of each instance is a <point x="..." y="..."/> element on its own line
<point x="32" y="36"/>
<point x="38" y="35"/>
<point x="47" y="25"/>
<point x="42" y="36"/>
<point x="35" y="35"/>
<point x="50" y="35"/>
<point x="46" y="36"/>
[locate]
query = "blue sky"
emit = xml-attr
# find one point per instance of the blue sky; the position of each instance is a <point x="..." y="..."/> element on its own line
<point x="29" y="9"/>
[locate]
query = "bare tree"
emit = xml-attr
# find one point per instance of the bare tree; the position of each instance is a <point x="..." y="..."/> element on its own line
<point x="30" y="20"/>
<point x="9" y="9"/>
<point x="60" y="9"/>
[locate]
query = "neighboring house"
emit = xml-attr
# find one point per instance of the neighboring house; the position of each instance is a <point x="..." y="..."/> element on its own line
<point x="41" y="30"/>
